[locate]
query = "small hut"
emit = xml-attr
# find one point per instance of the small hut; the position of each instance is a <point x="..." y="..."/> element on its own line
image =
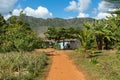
<point x="64" y="44"/>
<point x="69" y="44"/>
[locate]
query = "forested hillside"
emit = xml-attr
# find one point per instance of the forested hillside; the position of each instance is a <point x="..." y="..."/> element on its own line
<point x="40" y="25"/>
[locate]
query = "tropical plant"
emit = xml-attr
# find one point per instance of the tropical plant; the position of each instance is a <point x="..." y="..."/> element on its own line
<point x="56" y="46"/>
<point x="86" y="40"/>
<point x="102" y="33"/>
<point x="16" y="35"/>
<point x="114" y="23"/>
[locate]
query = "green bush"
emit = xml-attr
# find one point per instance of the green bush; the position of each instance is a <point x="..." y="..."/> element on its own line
<point x="17" y="36"/>
<point x="57" y="46"/>
<point x="20" y="41"/>
<point x="43" y="45"/>
<point x="94" y="60"/>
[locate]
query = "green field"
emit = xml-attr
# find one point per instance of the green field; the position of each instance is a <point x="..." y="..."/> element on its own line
<point x="105" y="66"/>
<point x="23" y="66"/>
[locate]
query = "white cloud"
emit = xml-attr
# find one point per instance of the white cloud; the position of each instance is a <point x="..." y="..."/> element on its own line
<point x="80" y="5"/>
<point x="40" y="12"/>
<point x="7" y="16"/>
<point x="16" y="12"/>
<point x="103" y="6"/>
<point x="72" y="6"/>
<point x="83" y="5"/>
<point x="82" y="15"/>
<point x="102" y="15"/>
<point x="6" y="5"/>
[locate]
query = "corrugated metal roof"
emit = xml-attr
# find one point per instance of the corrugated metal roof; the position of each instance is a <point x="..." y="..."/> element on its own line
<point x="66" y="40"/>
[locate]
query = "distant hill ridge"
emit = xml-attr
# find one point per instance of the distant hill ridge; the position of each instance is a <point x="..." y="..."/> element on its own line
<point x="40" y="25"/>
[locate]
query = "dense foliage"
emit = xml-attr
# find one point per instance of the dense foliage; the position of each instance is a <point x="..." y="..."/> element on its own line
<point x="100" y="34"/>
<point x="16" y="35"/>
<point x="61" y="33"/>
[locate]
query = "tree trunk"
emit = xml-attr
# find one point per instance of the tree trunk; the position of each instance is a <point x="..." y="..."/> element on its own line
<point x="99" y="44"/>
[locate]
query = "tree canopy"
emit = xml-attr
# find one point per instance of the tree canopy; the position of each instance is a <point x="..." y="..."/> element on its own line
<point x="16" y="35"/>
<point x="61" y="33"/>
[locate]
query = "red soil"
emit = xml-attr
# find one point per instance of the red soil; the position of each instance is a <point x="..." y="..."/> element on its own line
<point x="62" y="68"/>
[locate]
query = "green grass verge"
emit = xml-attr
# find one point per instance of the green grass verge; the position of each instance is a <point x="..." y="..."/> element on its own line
<point x="23" y="66"/>
<point x="105" y="66"/>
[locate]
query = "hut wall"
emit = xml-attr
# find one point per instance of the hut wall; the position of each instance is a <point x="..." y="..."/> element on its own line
<point x="74" y="44"/>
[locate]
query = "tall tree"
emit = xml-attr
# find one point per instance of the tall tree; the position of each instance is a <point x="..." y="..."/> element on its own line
<point x="114" y="20"/>
<point x="18" y="36"/>
<point x="86" y="39"/>
<point x="61" y="33"/>
<point x="101" y="32"/>
<point x="2" y="20"/>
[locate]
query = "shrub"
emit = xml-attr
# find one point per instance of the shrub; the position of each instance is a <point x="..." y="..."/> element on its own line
<point x="94" y="60"/>
<point x="43" y="45"/>
<point x="57" y="46"/>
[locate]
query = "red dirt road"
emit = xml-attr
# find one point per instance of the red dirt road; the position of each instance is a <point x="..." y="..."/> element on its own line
<point x="62" y="68"/>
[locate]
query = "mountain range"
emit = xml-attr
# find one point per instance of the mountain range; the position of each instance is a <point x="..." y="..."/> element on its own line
<point x="41" y="25"/>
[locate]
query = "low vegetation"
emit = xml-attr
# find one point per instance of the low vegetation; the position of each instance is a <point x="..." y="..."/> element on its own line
<point x="23" y="66"/>
<point x="103" y="66"/>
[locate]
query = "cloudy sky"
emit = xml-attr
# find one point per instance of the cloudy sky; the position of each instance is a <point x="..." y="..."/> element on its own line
<point x="55" y="8"/>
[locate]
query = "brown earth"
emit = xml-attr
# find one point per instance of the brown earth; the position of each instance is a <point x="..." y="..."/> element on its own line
<point x="62" y="67"/>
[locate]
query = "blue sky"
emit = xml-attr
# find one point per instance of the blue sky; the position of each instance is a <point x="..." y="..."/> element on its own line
<point x="55" y="8"/>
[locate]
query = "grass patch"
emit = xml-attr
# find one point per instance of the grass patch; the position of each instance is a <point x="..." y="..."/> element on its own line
<point x="106" y="66"/>
<point x="23" y="66"/>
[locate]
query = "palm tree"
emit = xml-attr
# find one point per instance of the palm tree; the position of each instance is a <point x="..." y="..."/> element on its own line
<point x="114" y="24"/>
<point x="103" y="34"/>
<point x="86" y="37"/>
<point x="99" y="32"/>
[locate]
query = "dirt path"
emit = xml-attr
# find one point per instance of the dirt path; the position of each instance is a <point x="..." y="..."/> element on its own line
<point x="62" y="67"/>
